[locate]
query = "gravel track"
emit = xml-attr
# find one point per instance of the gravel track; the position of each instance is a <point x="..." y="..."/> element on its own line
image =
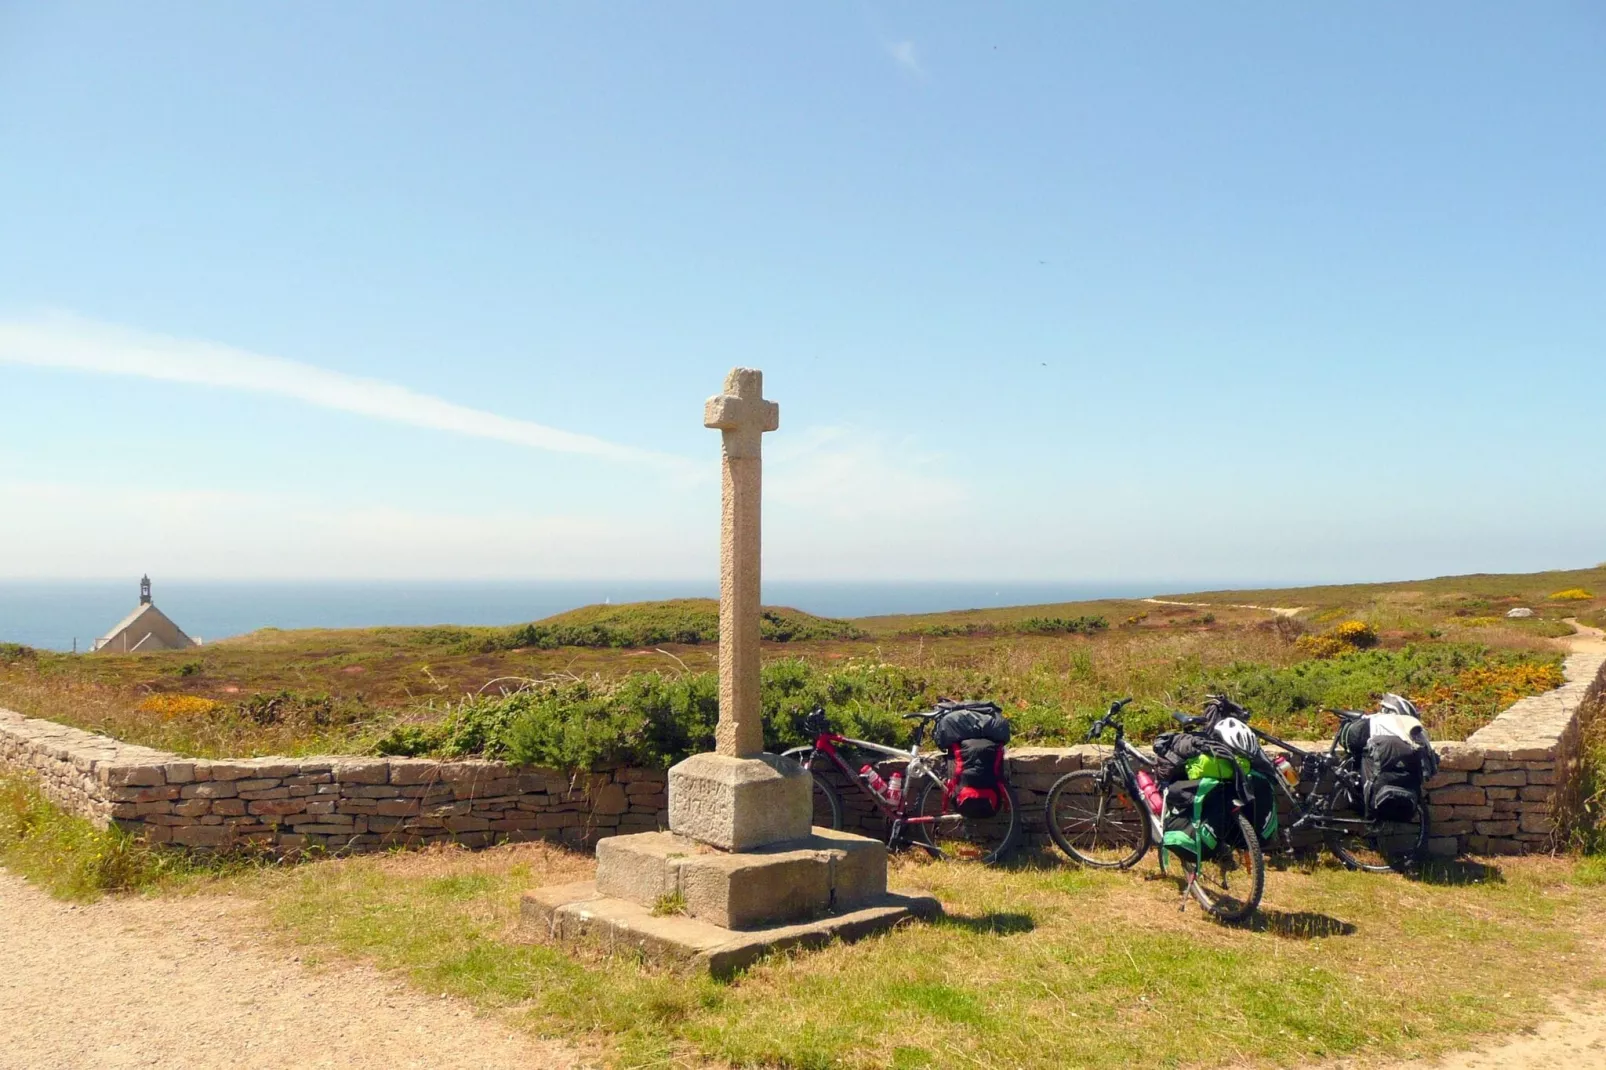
<point x="188" y="983"/>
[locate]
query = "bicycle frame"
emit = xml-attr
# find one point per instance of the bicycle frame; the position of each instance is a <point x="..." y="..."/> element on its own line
<point x="826" y="743"/>
<point x="1307" y="806"/>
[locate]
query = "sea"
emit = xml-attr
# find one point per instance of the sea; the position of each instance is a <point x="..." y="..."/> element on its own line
<point x="56" y="614"/>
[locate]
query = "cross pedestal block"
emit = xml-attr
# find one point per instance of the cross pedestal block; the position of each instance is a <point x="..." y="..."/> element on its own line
<point x="740" y="804"/>
<point x="825" y="871"/>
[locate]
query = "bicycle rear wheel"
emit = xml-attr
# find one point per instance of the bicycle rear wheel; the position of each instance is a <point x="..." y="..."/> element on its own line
<point x="1090" y="818"/>
<point x="978" y="839"/>
<point x="1382" y="846"/>
<point x="1229" y="884"/>
<point x="827" y="806"/>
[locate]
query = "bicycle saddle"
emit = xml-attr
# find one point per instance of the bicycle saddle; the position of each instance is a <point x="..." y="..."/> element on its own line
<point x="1187" y="718"/>
<point x="924" y="715"/>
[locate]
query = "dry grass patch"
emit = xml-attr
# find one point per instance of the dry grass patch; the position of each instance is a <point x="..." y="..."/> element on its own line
<point x="1042" y="965"/>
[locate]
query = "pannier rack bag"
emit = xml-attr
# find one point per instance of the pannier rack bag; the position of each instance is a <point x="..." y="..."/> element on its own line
<point x="1395" y="757"/>
<point x="974" y="734"/>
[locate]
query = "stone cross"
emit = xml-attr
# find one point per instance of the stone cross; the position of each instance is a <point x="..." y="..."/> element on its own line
<point x="742" y="416"/>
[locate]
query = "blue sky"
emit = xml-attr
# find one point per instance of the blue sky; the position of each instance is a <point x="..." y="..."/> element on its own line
<point x="1246" y="291"/>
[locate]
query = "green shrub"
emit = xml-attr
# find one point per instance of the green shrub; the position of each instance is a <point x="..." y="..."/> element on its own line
<point x="687" y="621"/>
<point x="655" y="719"/>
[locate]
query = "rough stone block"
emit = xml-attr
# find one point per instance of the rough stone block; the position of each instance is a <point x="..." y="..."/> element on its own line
<point x="610" y="799"/>
<point x="362" y="772"/>
<point x="738" y="804"/>
<point x="1511" y="778"/>
<point x="1458" y="795"/>
<point x="744" y="890"/>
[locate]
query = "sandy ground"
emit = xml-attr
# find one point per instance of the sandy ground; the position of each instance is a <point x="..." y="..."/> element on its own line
<point x="1575" y="1042"/>
<point x="181" y="983"/>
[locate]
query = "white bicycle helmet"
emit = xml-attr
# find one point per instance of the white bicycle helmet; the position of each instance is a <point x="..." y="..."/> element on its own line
<point x="1237" y="735"/>
<point x="1398" y="704"/>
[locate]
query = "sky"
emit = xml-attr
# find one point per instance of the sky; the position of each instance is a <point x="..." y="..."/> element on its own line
<point x="1257" y="291"/>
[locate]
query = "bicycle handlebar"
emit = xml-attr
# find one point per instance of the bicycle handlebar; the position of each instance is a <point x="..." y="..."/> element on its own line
<point x="1097" y="728"/>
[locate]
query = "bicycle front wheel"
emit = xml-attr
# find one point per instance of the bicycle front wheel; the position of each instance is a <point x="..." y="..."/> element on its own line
<point x="978" y="839"/>
<point x="827" y="806"/>
<point x="1091" y="818"/>
<point x="1230" y="883"/>
<point x="1382" y="846"/>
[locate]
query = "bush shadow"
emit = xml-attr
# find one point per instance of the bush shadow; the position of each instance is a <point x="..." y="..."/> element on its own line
<point x="1298" y="924"/>
<point x="996" y="923"/>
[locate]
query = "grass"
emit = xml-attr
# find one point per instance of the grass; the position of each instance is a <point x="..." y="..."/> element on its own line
<point x="1036" y="966"/>
<point x="73" y="859"/>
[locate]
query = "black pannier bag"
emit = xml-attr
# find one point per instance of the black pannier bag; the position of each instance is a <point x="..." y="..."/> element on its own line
<point x="970" y="720"/>
<point x="1391" y="777"/>
<point x="979" y="764"/>
<point x="1354" y="735"/>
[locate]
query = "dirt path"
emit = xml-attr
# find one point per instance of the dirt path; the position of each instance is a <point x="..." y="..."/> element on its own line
<point x="187" y="983"/>
<point x="1574" y="1042"/>
<point x="1281" y="611"/>
<point x="1587" y="641"/>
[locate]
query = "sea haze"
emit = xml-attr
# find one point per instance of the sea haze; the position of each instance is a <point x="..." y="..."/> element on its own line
<point x="52" y="613"/>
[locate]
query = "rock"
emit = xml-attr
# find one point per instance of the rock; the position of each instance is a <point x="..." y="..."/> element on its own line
<point x="1519" y="613"/>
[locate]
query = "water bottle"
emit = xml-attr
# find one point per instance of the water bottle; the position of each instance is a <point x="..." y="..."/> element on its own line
<point x="1286" y="768"/>
<point x="895" y="789"/>
<point x="1150" y="790"/>
<point x="873" y="778"/>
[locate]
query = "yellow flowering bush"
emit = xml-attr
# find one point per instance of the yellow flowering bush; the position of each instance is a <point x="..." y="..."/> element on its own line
<point x="1480" y="622"/>
<point x="1497" y="686"/>
<point x="1349" y="636"/>
<point x="1356" y="633"/>
<point x="1572" y="594"/>
<point x="169" y="707"/>
<point x="1320" y="646"/>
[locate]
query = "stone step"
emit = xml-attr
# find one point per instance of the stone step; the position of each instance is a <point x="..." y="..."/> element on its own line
<point x="573" y="912"/>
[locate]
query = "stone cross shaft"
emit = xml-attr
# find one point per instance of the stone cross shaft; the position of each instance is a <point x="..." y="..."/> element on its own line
<point x="742" y="416"/>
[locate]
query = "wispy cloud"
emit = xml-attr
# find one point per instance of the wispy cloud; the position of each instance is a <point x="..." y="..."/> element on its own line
<point x="76" y="344"/>
<point x="904" y="54"/>
<point x="852" y="476"/>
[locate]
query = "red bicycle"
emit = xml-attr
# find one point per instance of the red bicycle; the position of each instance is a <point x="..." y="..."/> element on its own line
<point x="919" y="803"/>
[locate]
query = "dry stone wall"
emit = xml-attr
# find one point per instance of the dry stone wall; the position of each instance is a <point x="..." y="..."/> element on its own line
<point x="334" y="803"/>
<point x="1511" y="788"/>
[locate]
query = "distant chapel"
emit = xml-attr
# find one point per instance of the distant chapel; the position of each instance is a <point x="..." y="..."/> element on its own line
<point x="147" y="628"/>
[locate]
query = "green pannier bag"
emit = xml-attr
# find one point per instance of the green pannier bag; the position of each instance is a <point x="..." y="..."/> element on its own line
<point x="1195" y="819"/>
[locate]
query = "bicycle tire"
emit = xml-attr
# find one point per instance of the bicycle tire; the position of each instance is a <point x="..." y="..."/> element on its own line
<point x="1398" y="850"/>
<point x="990" y="840"/>
<point x="827" y="805"/>
<point x="1060" y="806"/>
<point x="1222" y="906"/>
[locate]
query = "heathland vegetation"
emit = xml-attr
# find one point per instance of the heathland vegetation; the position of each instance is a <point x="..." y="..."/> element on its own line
<point x="636" y="683"/>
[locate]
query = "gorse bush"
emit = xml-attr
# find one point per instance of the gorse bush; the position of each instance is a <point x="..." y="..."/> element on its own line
<point x="1572" y="594"/>
<point x="179" y="705"/>
<point x="1356" y="633"/>
<point x="655" y="719"/>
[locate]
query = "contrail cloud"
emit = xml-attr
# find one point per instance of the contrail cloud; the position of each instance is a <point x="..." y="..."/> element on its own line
<point x="76" y="344"/>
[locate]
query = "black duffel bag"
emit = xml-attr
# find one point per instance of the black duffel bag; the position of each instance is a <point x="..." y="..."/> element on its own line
<point x="970" y="720"/>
